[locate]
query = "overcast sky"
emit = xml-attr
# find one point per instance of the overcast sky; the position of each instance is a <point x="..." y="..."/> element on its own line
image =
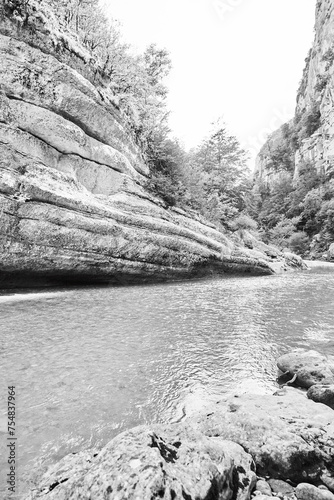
<point x="240" y="59"/>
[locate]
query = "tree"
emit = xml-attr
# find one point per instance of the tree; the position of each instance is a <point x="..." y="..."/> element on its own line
<point x="166" y="159"/>
<point x="282" y="232"/>
<point x="299" y="243"/>
<point x="220" y="167"/>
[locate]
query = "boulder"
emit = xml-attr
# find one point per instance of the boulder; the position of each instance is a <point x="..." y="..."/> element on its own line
<point x="153" y="462"/>
<point x="309" y="367"/>
<point x="328" y="481"/>
<point x="281" y="488"/>
<point x="262" y="487"/>
<point x="288" y="435"/>
<point x="305" y="491"/>
<point x="322" y="394"/>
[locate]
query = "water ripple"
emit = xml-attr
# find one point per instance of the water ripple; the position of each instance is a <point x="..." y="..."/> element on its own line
<point x="90" y="362"/>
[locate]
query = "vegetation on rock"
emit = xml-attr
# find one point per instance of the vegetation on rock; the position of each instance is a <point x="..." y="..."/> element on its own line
<point x="213" y="178"/>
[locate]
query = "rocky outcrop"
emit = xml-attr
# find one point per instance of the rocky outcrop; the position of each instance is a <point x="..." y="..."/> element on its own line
<point x="306" y="368"/>
<point x="288" y="436"/>
<point x="73" y="203"/>
<point x="211" y="455"/>
<point x="305" y="491"/>
<point x="322" y="394"/>
<point x="239" y="447"/>
<point x="156" y="462"/>
<point x="314" y="114"/>
<point x="296" y="163"/>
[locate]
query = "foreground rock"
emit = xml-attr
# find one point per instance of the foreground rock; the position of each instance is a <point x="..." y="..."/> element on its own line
<point x="209" y="456"/>
<point x="281" y="488"/>
<point x="307" y="368"/>
<point x="305" y="491"/>
<point x="322" y="394"/>
<point x="73" y="203"/>
<point x="263" y="488"/>
<point x="156" y="462"/>
<point x="288" y="436"/>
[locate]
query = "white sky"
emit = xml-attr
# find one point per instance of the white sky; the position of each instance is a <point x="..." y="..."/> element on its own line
<point x="239" y="59"/>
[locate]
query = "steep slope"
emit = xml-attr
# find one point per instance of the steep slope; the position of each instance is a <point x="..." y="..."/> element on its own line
<point x="314" y="116"/>
<point x="73" y="203"/>
<point x="304" y="147"/>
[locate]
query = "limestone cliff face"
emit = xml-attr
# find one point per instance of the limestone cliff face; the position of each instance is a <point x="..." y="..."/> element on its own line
<point x="73" y="205"/>
<point x="315" y="103"/>
<point x="317" y="87"/>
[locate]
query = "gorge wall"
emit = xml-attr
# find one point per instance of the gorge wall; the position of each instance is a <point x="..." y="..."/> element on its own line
<point x="303" y="149"/>
<point x="314" y="104"/>
<point x="73" y="204"/>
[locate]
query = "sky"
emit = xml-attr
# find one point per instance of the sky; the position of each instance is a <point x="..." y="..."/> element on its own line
<point x="241" y="60"/>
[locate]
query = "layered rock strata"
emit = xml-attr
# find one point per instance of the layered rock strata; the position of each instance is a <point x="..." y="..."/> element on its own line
<point x="73" y="204"/>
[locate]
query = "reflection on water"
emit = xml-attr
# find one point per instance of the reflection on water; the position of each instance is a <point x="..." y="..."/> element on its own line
<point x="88" y="363"/>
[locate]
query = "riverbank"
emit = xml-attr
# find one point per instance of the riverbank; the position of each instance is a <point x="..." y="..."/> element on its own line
<point x="319" y="264"/>
<point x="278" y="445"/>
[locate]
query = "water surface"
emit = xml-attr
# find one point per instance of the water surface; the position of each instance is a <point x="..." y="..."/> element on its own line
<point x="90" y="362"/>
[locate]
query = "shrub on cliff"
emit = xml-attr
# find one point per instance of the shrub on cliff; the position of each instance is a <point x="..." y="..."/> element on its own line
<point x="134" y="82"/>
<point x="166" y="158"/>
<point x="280" y="156"/>
<point x="325" y="218"/>
<point x="213" y="178"/>
<point x="310" y="122"/>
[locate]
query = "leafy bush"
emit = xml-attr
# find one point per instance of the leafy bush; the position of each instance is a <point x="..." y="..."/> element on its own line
<point x="321" y="84"/>
<point x="281" y="158"/>
<point x="299" y="243"/>
<point x="326" y="218"/>
<point x="244" y="222"/>
<point x="312" y="120"/>
<point x="283" y="231"/>
<point x="329" y="58"/>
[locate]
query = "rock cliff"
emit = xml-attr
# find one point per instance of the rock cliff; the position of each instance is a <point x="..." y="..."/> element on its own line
<point x="314" y="115"/>
<point x="73" y="203"/>
<point x="294" y="173"/>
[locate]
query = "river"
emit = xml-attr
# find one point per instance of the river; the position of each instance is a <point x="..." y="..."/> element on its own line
<point x="90" y="362"/>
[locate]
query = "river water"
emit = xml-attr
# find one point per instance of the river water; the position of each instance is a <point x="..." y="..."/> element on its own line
<point x="90" y="362"/>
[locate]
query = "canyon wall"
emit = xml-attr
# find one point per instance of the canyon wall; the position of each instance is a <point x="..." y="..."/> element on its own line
<point x="313" y="124"/>
<point x="73" y="203"/>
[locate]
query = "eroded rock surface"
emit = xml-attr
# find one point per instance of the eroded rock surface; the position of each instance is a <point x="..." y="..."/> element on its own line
<point x="156" y="462"/>
<point x="322" y="394"/>
<point x="305" y="491"/>
<point x="215" y="454"/>
<point x="263" y="488"/>
<point x="288" y="436"/>
<point x="281" y="488"/>
<point x="307" y="367"/>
